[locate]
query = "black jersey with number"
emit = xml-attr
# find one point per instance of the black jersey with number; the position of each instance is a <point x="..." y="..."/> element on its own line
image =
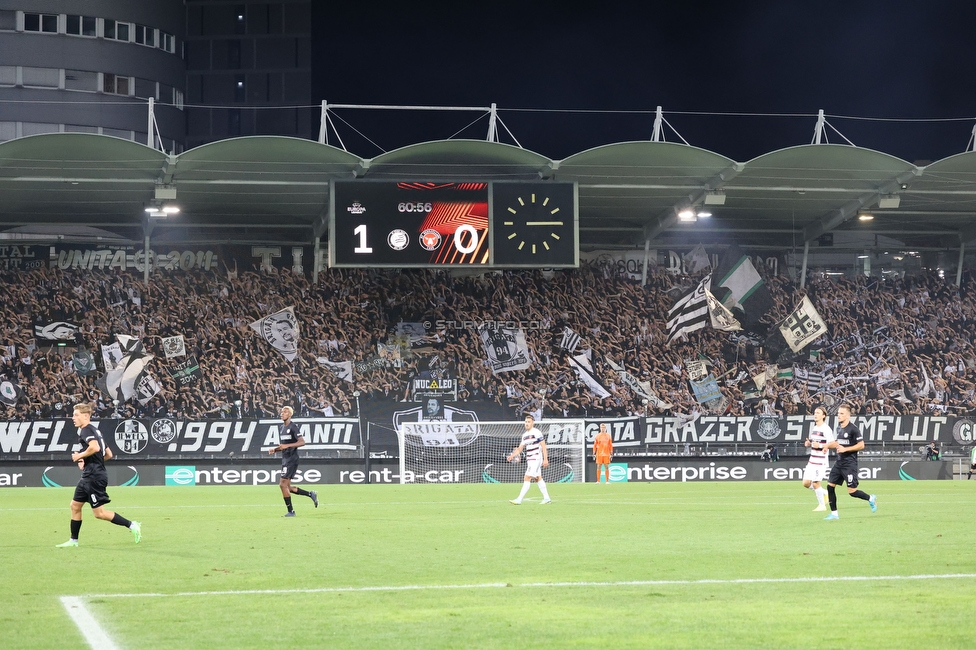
<point x="94" y="464"/>
<point x="848" y="437"/>
<point x="289" y="434"/>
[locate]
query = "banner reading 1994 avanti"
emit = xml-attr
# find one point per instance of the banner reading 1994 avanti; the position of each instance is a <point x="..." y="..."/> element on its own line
<point x="165" y="437"/>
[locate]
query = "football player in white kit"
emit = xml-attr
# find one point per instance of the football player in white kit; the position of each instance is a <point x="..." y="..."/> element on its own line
<point x="817" y="465"/>
<point x="536" y="457"/>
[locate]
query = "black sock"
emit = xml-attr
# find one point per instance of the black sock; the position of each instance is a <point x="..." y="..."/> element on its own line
<point x="832" y="497"/>
<point x="119" y="520"/>
<point x="75" y="528"/>
<point x="860" y="494"/>
<point x="300" y="492"/>
<point x="288" y="503"/>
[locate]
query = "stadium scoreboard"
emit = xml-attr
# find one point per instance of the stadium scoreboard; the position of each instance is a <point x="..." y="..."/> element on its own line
<point x="464" y="224"/>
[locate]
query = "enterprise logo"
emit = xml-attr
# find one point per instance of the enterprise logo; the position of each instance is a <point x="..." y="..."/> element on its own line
<point x="181" y="475"/>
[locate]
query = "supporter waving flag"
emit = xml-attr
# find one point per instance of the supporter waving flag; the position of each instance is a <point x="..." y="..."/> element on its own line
<point x="280" y="329"/>
<point x="690" y="311"/>
<point x="122" y="382"/>
<point x="738" y="284"/>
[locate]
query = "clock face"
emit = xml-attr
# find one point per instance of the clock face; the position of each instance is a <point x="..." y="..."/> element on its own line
<point x="535" y="224"/>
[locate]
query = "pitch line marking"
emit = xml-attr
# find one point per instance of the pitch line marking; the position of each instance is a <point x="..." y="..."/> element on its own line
<point x="498" y="585"/>
<point x="96" y="637"/>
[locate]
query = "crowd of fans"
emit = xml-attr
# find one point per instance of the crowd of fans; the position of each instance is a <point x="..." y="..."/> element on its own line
<point x="892" y="347"/>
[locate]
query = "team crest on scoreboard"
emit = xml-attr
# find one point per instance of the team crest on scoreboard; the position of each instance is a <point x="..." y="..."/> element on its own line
<point x="430" y="240"/>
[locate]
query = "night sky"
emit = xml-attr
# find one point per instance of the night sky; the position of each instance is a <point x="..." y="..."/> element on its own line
<point x="563" y="59"/>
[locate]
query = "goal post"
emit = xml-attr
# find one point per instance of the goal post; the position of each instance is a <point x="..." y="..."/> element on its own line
<point x="475" y="452"/>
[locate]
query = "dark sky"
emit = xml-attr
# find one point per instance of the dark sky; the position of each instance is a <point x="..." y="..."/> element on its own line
<point x="866" y="59"/>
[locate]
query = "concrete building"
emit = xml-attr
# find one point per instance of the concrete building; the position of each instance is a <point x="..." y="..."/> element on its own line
<point x="91" y="67"/>
<point x="215" y="69"/>
<point x="249" y="67"/>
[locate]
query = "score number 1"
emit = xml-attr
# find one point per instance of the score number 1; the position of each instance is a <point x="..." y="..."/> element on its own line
<point x="465" y="249"/>
<point x="362" y="248"/>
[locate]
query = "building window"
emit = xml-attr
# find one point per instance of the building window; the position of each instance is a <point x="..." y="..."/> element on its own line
<point x="41" y="77"/>
<point x="80" y="25"/>
<point x="239" y="90"/>
<point x="115" y="84"/>
<point x="81" y="80"/>
<point x="145" y="35"/>
<point x="8" y="20"/>
<point x="167" y="42"/>
<point x="109" y="29"/>
<point x="122" y="31"/>
<point x="47" y="23"/>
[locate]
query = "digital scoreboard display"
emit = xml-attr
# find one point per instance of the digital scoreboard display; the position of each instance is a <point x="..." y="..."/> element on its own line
<point x="409" y="224"/>
<point x="464" y="224"/>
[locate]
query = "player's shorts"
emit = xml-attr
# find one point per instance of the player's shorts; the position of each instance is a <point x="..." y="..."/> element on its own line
<point x="602" y="460"/>
<point x="289" y="468"/>
<point x="534" y="467"/>
<point x="844" y="471"/>
<point x="91" y="490"/>
<point x="973" y="466"/>
<point x="814" y="473"/>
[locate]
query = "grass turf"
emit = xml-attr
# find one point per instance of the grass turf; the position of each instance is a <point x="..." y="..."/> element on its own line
<point x="469" y="538"/>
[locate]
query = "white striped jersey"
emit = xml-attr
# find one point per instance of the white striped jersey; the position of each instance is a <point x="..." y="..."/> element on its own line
<point x="532" y="443"/>
<point x="822" y="434"/>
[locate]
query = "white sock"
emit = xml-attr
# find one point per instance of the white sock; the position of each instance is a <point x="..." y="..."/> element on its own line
<point x="545" y="492"/>
<point x="525" y="488"/>
<point x="820" y="492"/>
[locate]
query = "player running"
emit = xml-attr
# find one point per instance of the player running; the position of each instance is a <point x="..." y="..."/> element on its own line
<point x="291" y="439"/>
<point x="817" y="466"/>
<point x="536" y="457"/>
<point x="94" y="478"/>
<point x="602" y="452"/>
<point x="849" y="441"/>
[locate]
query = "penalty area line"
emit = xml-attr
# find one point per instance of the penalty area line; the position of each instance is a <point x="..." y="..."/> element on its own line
<point x="532" y="585"/>
<point x="94" y="634"/>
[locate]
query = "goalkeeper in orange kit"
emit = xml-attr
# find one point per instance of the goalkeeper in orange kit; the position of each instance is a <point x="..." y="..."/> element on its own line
<point x="602" y="451"/>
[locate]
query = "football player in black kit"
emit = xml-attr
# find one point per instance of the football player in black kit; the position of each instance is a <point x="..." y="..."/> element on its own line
<point x="290" y="439"/>
<point x="849" y="441"/>
<point x="94" y="479"/>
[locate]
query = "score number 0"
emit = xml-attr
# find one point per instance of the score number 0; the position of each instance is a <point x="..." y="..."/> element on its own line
<point x="463" y="248"/>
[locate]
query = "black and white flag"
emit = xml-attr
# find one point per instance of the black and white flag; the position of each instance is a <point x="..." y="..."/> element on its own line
<point x="10" y="392"/>
<point x="341" y="369"/>
<point x="595" y="386"/>
<point x="280" y="329"/>
<point x="147" y="388"/>
<point x="505" y="349"/>
<point x="122" y="382"/>
<point x="174" y="346"/>
<point x="690" y="311"/>
<point x="51" y="332"/>
<point x="812" y="380"/>
<point x="803" y="326"/>
<point x="570" y="340"/>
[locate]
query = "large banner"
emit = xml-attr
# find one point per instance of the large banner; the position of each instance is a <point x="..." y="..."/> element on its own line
<point x="796" y="428"/>
<point x="165" y="437"/>
<point x="384" y="417"/>
<point x="220" y="259"/>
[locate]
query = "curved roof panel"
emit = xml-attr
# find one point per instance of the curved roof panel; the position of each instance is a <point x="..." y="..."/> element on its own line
<point x="458" y="160"/>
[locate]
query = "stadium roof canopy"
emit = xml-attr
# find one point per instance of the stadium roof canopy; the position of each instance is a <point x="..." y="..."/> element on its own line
<point x="275" y="189"/>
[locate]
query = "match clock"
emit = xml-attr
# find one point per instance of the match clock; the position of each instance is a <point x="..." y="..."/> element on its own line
<point x="535" y="224"/>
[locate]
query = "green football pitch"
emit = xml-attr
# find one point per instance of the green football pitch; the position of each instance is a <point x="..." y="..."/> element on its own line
<point x="669" y="565"/>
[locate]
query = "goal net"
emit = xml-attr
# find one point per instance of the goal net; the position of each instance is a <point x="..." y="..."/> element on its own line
<point x="475" y="452"/>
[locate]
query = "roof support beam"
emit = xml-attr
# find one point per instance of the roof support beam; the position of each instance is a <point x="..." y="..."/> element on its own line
<point x="848" y="210"/>
<point x="670" y="216"/>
